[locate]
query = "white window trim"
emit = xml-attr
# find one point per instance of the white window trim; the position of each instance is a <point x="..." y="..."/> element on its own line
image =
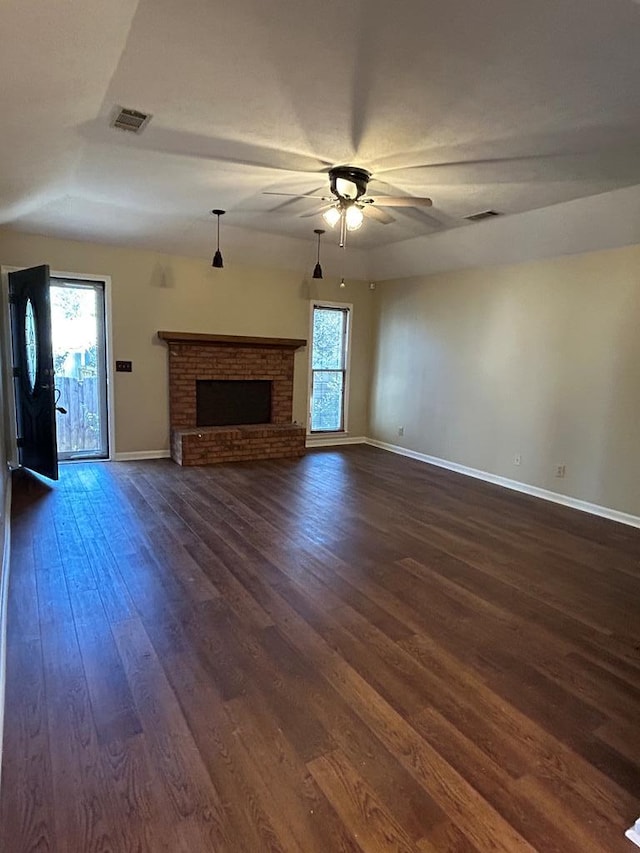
<point x="348" y="306"/>
<point x="12" y="447"/>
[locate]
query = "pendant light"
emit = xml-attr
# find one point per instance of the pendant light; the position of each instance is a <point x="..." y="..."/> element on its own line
<point x="343" y="284"/>
<point x="217" y="258"/>
<point x="317" y="270"/>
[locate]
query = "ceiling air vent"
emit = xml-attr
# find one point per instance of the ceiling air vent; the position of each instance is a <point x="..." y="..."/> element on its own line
<point x="131" y="120"/>
<point x="485" y="214"/>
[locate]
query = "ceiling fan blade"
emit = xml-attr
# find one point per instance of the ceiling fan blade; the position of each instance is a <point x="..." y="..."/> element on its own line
<point x="400" y="201"/>
<point x="297" y="195"/>
<point x="379" y="215"/>
<point x="571" y="161"/>
<point x="438" y="220"/>
<point x="317" y="212"/>
<point x="186" y="144"/>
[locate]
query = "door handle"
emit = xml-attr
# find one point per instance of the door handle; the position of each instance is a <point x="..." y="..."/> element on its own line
<point x="60" y="409"/>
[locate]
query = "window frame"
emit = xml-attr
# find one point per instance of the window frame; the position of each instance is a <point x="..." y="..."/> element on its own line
<point x="347" y="309"/>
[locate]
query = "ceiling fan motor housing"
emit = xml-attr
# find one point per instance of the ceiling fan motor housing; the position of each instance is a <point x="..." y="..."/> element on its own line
<point x="342" y="176"/>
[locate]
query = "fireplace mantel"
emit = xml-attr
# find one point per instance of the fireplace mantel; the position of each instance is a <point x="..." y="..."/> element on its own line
<point x="230" y="340"/>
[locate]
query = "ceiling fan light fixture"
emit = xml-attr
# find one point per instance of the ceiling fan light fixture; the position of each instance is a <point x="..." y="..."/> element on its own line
<point x="217" y="262"/>
<point x="331" y="216"/>
<point x="346" y="188"/>
<point x="348" y="182"/>
<point x="354" y="217"/>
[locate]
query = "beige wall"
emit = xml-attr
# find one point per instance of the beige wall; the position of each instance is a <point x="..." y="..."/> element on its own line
<point x="152" y="291"/>
<point x="539" y="359"/>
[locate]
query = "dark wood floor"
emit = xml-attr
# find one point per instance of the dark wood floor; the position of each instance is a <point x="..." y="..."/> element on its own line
<point x="354" y="652"/>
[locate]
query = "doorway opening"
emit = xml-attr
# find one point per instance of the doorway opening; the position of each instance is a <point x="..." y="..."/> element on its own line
<point x="78" y="334"/>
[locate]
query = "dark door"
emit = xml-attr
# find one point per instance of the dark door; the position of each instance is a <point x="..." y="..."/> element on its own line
<point x="33" y="370"/>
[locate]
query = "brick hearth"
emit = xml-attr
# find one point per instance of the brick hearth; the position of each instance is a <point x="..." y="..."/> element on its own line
<point x="222" y="357"/>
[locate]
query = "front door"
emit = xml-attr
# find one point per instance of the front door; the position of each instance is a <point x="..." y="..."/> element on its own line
<point x="33" y="370"/>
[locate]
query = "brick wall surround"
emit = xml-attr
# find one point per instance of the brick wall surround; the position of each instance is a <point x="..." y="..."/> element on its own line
<point x="231" y="358"/>
<point x="190" y="362"/>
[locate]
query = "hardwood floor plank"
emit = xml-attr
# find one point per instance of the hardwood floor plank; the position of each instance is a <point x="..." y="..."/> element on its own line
<point x="111" y="701"/>
<point x="228" y="764"/>
<point x="370" y="825"/>
<point x="187" y="790"/>
<point x="394" y="786"/>
<point x="509" y="797"/>
<point x="87" y="808"/>
<point x="512" y="729"/>
<point x="465" y="807"/>
<point x="313" y="821"/>
<point x="27" y="822"/>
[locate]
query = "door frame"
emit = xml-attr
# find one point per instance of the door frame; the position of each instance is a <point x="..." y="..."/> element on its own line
<point x="10" y="415"/>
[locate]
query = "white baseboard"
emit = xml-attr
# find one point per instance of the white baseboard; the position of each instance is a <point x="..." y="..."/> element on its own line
<point x="5" y="533"/>
<point x="330" y="441"/>
<point x="633" y="834"/>
<point x="514" y="485"/>
<point x="133" y="455"/>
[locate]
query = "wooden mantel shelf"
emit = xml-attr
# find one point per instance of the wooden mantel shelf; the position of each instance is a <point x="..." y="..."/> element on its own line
<point x="230" y="340"/>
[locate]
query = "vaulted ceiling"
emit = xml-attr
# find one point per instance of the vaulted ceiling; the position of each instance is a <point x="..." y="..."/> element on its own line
<point x="494" y="104"/>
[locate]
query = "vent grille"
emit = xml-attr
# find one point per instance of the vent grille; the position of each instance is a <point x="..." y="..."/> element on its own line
<point x="485" y="214"/>
<point x="132" y="121"/>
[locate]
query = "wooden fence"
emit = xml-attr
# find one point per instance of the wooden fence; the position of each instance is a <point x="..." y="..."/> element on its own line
<point x="79" y="429"/>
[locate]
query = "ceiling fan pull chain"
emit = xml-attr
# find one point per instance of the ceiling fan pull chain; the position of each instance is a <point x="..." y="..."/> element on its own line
<point x="343" y="230"/>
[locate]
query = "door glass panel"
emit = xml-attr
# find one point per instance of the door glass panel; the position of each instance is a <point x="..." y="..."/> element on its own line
<point x="77" y="325"/>
<point x="31" y="344"/>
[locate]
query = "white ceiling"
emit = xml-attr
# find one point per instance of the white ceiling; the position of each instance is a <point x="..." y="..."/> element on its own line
<point x="494" y="104"/>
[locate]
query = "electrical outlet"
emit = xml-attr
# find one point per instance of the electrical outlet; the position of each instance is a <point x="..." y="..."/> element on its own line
<point x="400" y="430"/>
<point x="124" y="367"/>
<point x="517" y="459"/>
<point x="561" y="470"/>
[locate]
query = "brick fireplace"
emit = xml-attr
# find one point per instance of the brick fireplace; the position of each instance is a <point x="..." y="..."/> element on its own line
<point x="197" y="361"/>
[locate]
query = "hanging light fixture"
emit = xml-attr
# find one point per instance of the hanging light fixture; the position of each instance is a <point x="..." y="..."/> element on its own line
<point x="217" y="258"/>
<point x="342" y="282"/>
<point x="317" y="270"/>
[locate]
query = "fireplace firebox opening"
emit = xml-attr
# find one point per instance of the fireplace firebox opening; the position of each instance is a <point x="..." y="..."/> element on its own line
<point x="232" y="402"/>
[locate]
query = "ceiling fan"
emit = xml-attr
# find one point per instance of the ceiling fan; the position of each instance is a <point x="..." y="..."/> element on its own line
<point x="349" y="201"/>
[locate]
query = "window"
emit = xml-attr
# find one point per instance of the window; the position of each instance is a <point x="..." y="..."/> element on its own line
<point x="329" y="367"/>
